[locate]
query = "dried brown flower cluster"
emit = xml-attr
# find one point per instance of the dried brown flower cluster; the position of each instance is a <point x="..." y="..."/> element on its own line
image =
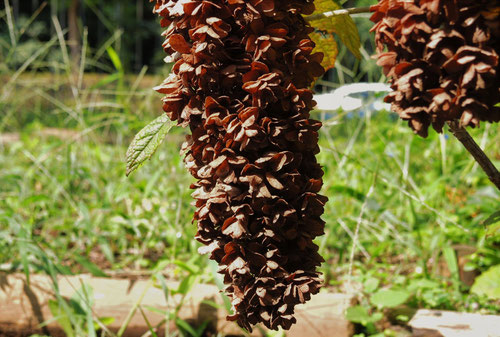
<point x="443" y="60"/>
<point x="241" y="83"/>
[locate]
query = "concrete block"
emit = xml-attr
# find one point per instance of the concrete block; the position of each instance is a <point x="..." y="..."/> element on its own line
<point x="438" y="323"/>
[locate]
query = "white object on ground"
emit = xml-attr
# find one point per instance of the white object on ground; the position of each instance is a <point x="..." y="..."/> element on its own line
<point x="341" y="99"/>
<point x="454" y="324"/>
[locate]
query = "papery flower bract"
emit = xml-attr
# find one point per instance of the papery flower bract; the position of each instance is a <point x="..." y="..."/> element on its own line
<point x="442" y="58"/>
<point x="240" y="82"/>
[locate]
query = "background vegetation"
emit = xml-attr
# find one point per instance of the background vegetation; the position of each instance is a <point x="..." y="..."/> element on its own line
<point x="401" y="208"/>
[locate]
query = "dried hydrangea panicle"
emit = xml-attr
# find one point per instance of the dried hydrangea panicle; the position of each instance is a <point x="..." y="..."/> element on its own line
<point x="240" y="82"/>
<point x="442" y="58"/>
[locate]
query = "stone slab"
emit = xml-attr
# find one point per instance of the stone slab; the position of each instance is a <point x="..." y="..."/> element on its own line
<point x="23" y="308"/>
<point x="438" y="323"/>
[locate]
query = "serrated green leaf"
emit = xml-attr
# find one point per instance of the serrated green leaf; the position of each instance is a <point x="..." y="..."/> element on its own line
<point x="487" y="284"/>
<point x="389" y="298"/>
<point x="147" y="141"/>
<point x="342" y="25"/>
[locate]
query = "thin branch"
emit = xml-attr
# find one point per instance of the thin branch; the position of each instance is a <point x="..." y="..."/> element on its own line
<point x="349" y="11"/>
<point x="475" y="150"/>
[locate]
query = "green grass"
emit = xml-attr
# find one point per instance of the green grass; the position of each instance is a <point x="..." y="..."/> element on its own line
<point x="420" y="192"/>
<point x="75" y="199"/>
<point x="71" y="198"/>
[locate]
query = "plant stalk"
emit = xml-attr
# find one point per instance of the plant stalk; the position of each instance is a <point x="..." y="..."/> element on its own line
<point x="344" y="11"/>
<point x="475" y="150"/>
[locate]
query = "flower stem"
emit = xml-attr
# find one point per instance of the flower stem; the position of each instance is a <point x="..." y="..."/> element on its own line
<point x="344" y="11"/>
<point x="481" y="158"/>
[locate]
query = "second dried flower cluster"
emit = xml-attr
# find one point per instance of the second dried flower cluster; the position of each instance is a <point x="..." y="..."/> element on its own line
<point x="443" y="60"/>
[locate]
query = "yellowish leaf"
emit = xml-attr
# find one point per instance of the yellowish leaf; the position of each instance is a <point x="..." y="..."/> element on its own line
<point x="323" y="6"/>
<point x="343" y="25"/>
<point x="327" y="45"/>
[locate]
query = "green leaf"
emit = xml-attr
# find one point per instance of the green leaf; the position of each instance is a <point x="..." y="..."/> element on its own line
<point x="34" y="199"/>
<point x="189" y="267"/>
<point x="115" y="59"/>
<point x="371" y="284"/>
<point x="150" y="327"/>
<point x="389" y="298"/>
<point x="493" y="231"/>
<point x="359" y="314"/>
<point x="212" y="304"/>
<point x="419" y="284"/>
<point x="163" y="284"/>
<point x="169" y="315"/>
<point x="323" y="6"/>
<point x="186" y="284"/>
<point x="186" y="327"/>
<point x="488" y="284"/>
<point x="91" y="325"/>
<point x="326" y="44"/>
<point x="220" y="284"/>
<point x="342" y="25"/>
<point x="23" y="249"/>
<point x="91" y="267"/>
<point x="451" y="260"/>
<point x="346" y="29"/>
<point x="106" y="320"/>
<point x="279" y="333"/>
<point x="106" y="80"/>
<point x="402" y="318"/>
<point x="493" y="224"/>
<point x="61" y="318"/>
<point x="147" y="141"/>
<point x="81" y="304"/>
<point x="341" y="189"/>
<point x="106" y="249"/>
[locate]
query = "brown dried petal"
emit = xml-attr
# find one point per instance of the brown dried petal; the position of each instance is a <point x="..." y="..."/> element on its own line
<point x="442" y="59"/>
